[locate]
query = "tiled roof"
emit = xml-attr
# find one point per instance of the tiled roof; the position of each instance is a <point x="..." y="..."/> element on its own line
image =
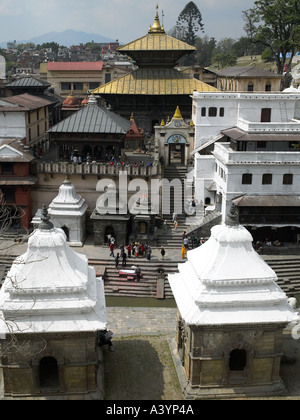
<point x="93" y="119"/>
<point x="164" y="81"/>
<point x="75" y="66"/>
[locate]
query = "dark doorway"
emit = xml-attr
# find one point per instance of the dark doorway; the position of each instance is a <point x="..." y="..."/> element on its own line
<point x="67" y="232"/>
<point x="108" y="234"/>
<point x="49" y="373"/>
<point x="237" y="360"/>
<point x="265" y="115"/>
<point x="176" y="154"/>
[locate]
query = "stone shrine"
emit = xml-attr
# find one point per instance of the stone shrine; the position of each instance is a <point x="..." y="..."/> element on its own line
<point x="68" y="211"/>
<point x="231" y="315"/>
<point x="51" y="307"/>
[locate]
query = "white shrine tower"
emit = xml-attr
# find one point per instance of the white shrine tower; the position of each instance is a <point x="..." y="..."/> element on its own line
<point x="231" y="315"/>
<point x="51" y="307"/>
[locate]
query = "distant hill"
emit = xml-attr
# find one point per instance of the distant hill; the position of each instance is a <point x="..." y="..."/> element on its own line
<point x="67" y="38"/>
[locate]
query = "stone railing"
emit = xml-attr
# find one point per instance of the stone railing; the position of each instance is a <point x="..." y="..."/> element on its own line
<point x="100" y="169"/>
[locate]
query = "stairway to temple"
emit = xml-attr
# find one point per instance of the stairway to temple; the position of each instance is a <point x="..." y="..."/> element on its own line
<point x="172" y="238"/>
<point x="287" y="269"/>
<point x="146" y="287"/>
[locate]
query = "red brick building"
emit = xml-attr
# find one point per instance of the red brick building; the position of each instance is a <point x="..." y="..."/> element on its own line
<point x="16" y="181"/>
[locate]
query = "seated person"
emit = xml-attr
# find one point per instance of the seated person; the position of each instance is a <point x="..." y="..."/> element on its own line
<point x="104" y="337"/>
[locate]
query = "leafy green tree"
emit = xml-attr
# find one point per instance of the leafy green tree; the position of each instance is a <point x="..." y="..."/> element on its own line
<point x="189" y="23"/>
<point x="205" y="48"/>
<point x="222" y="60"/>
<point x="276" y="25"/>
<point x="267" y="55"/>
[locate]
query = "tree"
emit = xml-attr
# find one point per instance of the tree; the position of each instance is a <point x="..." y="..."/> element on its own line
<point x="53" y="45"/>
<point x="276" y="25"/>
<point x="205" y="47"/>
<point x="189" y="23"/>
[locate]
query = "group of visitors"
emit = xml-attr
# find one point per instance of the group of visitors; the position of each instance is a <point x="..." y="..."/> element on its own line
<point x="132" y="250"/>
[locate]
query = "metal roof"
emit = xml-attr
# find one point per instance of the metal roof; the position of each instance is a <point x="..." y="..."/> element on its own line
<point x="93" y="119"/>
<point x="75" y="66"/>
<point x="147" y="81"/>
<point x="28" y="81"/>
<point x="28" y="102"/>
<point x="156" y="42"/>
<point x="17" y="151"/>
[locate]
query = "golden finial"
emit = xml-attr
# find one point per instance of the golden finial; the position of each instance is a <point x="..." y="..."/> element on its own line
<point x="156" y="27"/>
<point x="177" y="115"/>
<point x="192" y="123"/>
<point x="131" y="117"/>
<point x="162" y="123"/>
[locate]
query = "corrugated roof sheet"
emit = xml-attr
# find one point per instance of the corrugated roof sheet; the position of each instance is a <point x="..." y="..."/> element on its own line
<point x="75" y="66"/>
<point x="26" y="101"/>
<point x="28" y="81"/>
<point x="93" y="119"/>
<point x="164" y="81"/>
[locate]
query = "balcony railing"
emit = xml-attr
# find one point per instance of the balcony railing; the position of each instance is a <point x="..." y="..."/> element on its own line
<point x="99" y="169"/>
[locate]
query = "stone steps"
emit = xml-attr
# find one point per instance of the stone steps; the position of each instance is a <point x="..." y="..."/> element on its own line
<point x="146" y="287"/>
<point x="286" y="268"/>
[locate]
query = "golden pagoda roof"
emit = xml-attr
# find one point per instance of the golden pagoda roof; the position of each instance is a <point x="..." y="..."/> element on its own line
<point x="147" y="81"/>
<point x="156" y="41"/>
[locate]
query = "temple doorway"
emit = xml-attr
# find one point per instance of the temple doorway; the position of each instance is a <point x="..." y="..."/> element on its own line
<point x="48" y="370"/>
<point x="176" y="154"/>
<point x="108" y="234"/>
<point x="67" y="232"/>
<point x="237" y="360"/>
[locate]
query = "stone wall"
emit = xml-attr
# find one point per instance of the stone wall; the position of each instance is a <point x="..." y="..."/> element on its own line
<point x="205" y="356"/>
<point x="79" y="365"/>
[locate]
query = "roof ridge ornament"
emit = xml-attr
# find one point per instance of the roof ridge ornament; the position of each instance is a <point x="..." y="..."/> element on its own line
<point x="233" y="216"/>
<point x="45" y="220"/>
<point x="156" y="27"/>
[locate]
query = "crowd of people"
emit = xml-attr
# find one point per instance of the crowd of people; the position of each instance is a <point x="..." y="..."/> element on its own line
<point x="77" y="158"/>
<point x="132" y="250"/>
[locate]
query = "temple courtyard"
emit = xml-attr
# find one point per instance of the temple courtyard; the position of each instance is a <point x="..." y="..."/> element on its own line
<point x="143" y="337"/>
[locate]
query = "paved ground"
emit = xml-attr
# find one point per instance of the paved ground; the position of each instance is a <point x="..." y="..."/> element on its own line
<point x="141" y="321"/>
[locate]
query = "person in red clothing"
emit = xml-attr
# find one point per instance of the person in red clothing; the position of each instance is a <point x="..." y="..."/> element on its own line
<point x="111" y="247"/>
<point x="129" y="250"/>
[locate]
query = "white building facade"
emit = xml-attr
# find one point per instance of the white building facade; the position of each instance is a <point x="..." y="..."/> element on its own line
<point x="247" y="151"/>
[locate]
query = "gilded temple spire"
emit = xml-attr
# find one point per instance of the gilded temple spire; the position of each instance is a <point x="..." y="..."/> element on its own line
<point x="156" y="27"/>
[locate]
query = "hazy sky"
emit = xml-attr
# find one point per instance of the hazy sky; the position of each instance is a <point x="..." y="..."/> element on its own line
<point x="125" y="20"/>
